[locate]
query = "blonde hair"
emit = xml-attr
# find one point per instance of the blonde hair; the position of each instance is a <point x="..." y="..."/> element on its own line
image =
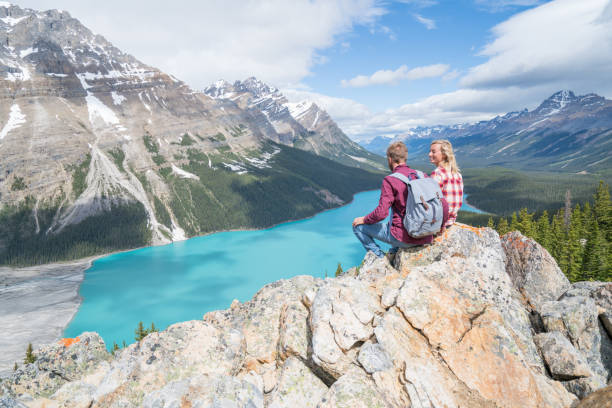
<point x="448" y="162"/>
<point x="397" y="152"/>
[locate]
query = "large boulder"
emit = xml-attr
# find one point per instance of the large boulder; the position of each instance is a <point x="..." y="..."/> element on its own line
<point x="562" y="358"/>
<point x="533" y="270"/>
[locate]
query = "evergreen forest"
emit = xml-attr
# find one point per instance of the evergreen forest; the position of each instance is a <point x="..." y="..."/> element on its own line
<point x="578" y="237"/>
<point x="298" y="184"/>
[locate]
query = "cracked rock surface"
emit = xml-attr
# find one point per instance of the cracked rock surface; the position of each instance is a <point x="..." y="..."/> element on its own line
<point x="446" y="325"/>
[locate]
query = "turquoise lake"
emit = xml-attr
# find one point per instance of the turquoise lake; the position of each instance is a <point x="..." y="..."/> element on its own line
<point x="184" y="280"/>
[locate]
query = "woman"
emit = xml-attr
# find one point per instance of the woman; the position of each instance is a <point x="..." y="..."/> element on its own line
<point x="448" y="176"/>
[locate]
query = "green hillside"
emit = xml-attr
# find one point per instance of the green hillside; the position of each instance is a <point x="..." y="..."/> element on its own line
<point x="297" y="184"/>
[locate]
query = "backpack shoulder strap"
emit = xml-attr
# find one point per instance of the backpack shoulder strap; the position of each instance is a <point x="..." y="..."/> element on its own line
<point x="401" y="177"/>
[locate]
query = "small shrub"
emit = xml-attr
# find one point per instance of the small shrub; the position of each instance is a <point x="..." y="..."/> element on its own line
<point x="150" y="145"/>
<point x="18" y="184"/>
<point x="187" y="140"/>
<point x="158" y="159"/>
<point x="165" y="172"/>
<point x="339" y="270"/>
<point x="29" y="357"/>
<point x="118" y="156"/>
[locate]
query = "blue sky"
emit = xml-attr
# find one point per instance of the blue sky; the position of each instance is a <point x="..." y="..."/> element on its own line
<point x="379" y="67"/>
<point x="452" y="33"/>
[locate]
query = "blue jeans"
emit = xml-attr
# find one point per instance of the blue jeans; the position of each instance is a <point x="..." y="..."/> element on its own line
<point x="382" y="232"/>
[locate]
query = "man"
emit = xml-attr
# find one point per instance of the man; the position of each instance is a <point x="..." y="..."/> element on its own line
<point x="392" y="195"/>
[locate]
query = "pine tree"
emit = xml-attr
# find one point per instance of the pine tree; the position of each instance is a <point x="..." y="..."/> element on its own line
<point x="514" y="222"/>
<point x="29" y="357"/>
<point x="559" y="245"/>
<point x="544" y="232"/>
<point x="603" y="210"/>
<point x="15" y="367"/>
<point x="594" y="258"/>
<point x="490" y="223"/>
<point x="502" y="226"/>
<point x="140" y="332"/>
<point x="568" y="209"/>
<point x="574" y="248"/>
<point x="525" y="224"/>
<point x="152" y="329"/>
<point x="124" y="344"/>
<point x="115" y="347"/>
<point x="339" y="270"/>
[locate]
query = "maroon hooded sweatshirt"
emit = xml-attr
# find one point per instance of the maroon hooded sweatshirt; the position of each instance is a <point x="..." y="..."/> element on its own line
<point x="393" y="194"/>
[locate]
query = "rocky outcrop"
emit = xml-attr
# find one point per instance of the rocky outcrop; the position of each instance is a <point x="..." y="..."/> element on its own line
<point x="533" y="271"/>
<point x="445" y="325"/>
<point x="576" y="344"/>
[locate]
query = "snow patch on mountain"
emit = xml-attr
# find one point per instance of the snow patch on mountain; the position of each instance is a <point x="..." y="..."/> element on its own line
<point x="97" y="109"/>
<point x="12" y="21"/>
<point x="299" y="109"/>
<point x="263" y="161"/>
<point x="183" y="174"/>
<point x="507" y="146"/>
<point x="21" y="73"/>
<point x="15" y="120"/>
<point x="27" y="51"/>
<point x="238" y="168"/>
<point x="144" y="103"/>
<point x="117" y="99"/>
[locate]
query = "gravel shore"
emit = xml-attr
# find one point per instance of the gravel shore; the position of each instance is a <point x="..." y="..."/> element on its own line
<point x="36" y="305"/>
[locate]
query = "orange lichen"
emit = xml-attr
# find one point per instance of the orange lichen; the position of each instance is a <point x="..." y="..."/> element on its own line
<point x="470" y="228"/>
<point x="441" y="237"/>
<point x="67" y="342"/>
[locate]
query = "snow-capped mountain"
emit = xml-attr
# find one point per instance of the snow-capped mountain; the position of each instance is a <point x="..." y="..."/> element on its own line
<point x="86" y="128"/>
<point x="565" y="132"/>
<point x="303" y="125"/>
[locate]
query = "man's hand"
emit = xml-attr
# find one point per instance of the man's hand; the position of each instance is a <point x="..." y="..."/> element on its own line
<point x="358" y="221"/>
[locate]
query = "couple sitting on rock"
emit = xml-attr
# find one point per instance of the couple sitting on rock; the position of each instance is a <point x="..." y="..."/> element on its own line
<point x="394" y="194"/>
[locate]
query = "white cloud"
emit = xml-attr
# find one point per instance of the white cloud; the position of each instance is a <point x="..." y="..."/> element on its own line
<point x="387" y="77"/>
<point x="200" y="42"/>
<point x="428" y="23"/>
<point x="564" y="43"/>
<point x="451" y="75"/>
<point x="461" y="106"/>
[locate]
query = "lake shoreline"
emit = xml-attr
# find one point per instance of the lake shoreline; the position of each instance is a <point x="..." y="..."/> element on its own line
<point x="51" y="300"/>
<point x="479" y="211"/>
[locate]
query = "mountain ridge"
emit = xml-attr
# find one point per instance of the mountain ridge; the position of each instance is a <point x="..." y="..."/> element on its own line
<point x="564" y="133"/>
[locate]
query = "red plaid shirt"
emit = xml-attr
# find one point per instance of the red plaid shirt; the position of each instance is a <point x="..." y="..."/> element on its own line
<point x="452" y="188"/>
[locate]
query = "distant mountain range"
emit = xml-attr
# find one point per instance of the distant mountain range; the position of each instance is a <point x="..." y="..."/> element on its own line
<point x="565" y="133"/>
<point x="100" y="151"/>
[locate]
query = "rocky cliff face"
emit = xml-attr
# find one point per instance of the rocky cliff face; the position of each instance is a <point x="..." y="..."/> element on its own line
<point x="303" y="125"/>
<point x="471" y="321"/>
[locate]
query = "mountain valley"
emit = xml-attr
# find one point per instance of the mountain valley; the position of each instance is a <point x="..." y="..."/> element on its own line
<point x="102" y="152"/>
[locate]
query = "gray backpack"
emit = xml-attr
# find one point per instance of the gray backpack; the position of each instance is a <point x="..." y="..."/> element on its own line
<point x="424" y="211"/>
